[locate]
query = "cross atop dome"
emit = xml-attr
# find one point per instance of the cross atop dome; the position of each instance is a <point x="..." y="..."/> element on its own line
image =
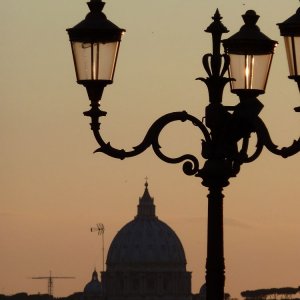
<point x="146" y="182"/>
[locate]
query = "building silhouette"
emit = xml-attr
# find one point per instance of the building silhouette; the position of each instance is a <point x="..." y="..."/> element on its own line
<point x="145" y="260"/>
<point x="93" y="289"/>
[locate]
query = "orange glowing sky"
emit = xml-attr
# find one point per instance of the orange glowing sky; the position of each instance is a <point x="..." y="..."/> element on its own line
<point x="53" y="189"/>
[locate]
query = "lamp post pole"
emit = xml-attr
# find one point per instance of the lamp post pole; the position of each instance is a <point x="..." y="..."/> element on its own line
<point x="247" y="58"/>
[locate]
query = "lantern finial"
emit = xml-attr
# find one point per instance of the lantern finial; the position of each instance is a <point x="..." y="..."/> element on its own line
<point x="250" y="18"/>
<point x="216" y="26"/>
<point x="95" y="5"/>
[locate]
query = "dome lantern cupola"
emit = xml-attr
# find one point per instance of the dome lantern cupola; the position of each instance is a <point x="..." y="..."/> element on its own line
<point x="146" y="207"/>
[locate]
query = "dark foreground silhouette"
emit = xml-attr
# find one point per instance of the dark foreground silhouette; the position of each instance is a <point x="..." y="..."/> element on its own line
<point x="25" y="296"/>
<point x="273" y="293"/>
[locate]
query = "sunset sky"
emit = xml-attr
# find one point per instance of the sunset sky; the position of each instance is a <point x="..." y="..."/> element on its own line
<point x="53" y="188"/>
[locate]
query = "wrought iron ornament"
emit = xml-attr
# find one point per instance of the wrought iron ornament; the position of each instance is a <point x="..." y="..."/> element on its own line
<point x="224" y="126"/>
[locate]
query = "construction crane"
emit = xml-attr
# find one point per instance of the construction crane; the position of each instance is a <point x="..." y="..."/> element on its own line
<point x="50" y="281"/>
<point x="100" y="230"/>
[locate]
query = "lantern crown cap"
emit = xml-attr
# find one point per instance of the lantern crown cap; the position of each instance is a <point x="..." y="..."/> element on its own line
<point x="291" y="26"/>
<point x="249" y="39"/>
<point x="95" y="27"/>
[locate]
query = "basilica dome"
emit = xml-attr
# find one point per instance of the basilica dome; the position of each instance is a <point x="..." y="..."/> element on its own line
<point x="93" y="289"/>
<point x="146" y="243"/>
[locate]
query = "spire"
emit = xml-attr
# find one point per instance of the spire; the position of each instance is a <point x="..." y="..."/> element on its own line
<point x="146" y="207"/>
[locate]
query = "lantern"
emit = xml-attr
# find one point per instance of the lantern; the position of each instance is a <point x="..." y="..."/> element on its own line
<point x="250" y="53"/>
<point x="95" y="44"/>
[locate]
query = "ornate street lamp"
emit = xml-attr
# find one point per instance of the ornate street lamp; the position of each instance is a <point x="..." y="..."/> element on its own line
<point x="248" y="56"/>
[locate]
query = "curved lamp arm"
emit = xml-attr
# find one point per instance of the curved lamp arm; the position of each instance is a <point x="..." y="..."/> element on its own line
<point x="264" y="139"/>
<point x="191" y="163"/>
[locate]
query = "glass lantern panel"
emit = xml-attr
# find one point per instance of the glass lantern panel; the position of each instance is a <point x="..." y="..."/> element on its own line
<point x="236" y="71"/>
<point x="95" y="61"/>
<point x="292" y="46"/>
<point x="249" y="71"/>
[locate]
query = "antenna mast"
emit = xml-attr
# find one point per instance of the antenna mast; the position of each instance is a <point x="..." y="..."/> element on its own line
<point x="100" y="230"/>
<point x="50" y="281"/>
